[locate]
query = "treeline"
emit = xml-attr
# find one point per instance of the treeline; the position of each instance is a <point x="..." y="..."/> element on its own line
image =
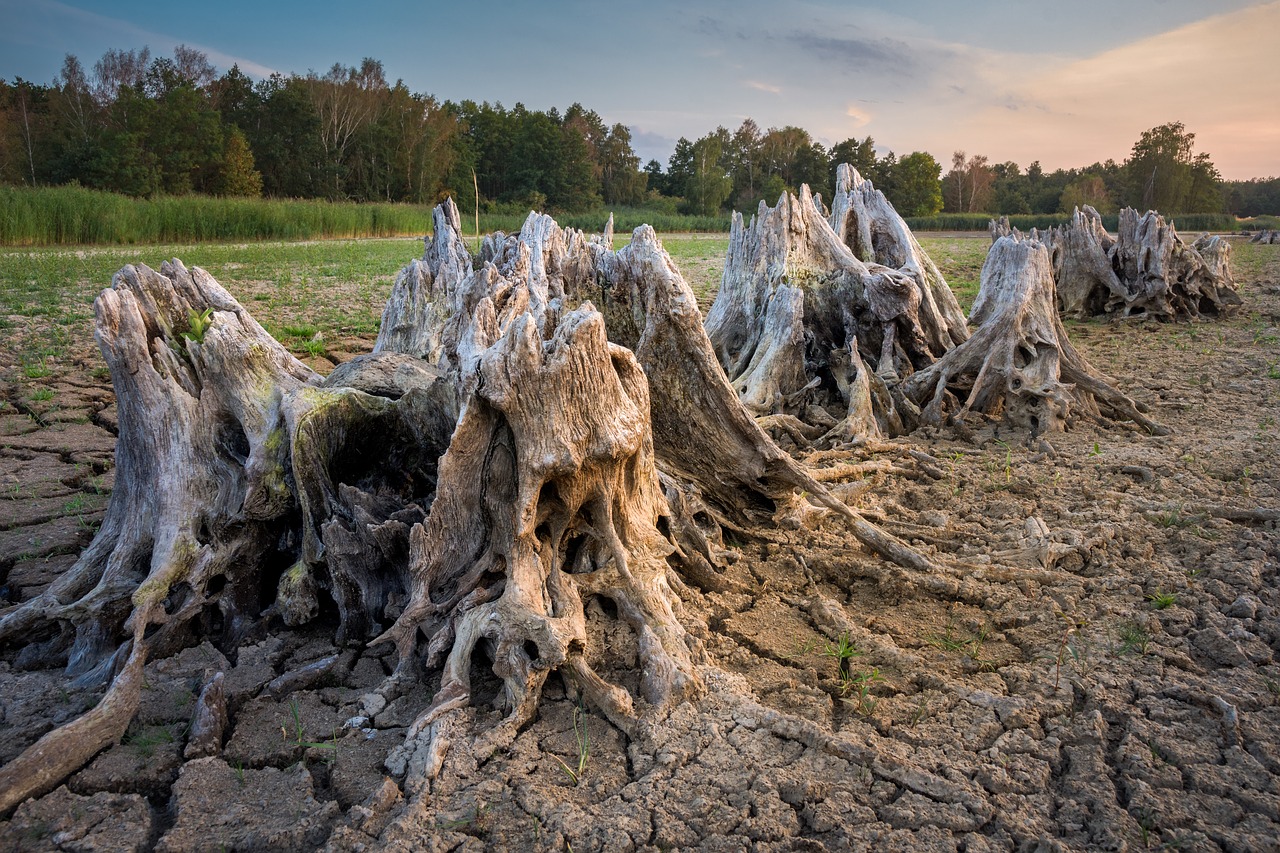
<point x="149" y="127"/>
<point x="1163" y="172"/>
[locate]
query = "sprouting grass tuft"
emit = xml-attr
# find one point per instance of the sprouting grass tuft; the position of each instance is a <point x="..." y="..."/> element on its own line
<point x="583" y="739"/>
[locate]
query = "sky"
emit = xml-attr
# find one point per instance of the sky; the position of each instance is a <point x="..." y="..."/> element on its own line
<point x="1065" y="83"/>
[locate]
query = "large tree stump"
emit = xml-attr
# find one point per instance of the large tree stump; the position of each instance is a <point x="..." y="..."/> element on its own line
<point x="1147" y="270"/>
<point x="866" y="222"/>
<point x="1082" y="270"/>
<point x="1019" y="363"/>
<point x="190" y="534"/>
<point x="463" y="491"/>
<point x="808" y="331"/>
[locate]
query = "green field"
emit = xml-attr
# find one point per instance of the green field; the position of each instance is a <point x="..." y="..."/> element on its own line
<point x="322" y="296"/>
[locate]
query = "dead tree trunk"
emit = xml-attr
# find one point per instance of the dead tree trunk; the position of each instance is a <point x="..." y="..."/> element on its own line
<point x="1082" y="269"/>
<point x="191" y="529"/>
<point x="1019" y="363"/>
<point x="809" y="333"/>
<point x="465" y="488"/>
<point x="867" y="223"/>
<point x="1265" y="237"/>
<point x="1162" y="275"/>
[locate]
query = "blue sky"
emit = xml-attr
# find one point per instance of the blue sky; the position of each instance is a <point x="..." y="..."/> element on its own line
<point x="1065" y="83"/>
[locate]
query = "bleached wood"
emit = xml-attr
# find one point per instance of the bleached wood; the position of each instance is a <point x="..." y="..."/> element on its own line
<point x="1019" y="364"/>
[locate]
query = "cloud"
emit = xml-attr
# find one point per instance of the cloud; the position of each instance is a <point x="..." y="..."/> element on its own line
<point x="858" y="54"/>
<point x="764" y="87"/>
<point x="71" y="16"/>
<point x="1200" y="74"/>
<point x="861" y="118"/>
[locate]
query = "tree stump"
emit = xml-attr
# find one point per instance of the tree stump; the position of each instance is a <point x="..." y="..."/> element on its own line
<point x="1265" y="237"/>
<point x="809" y="333"/>
<point x="1019" y="363"/>
<point x="1147" y="270"/>
<point x="1082" y="270"/>
<point x="463" y="491"/>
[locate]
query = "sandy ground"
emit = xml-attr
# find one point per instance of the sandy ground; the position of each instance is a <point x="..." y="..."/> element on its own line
<point x="1095" y="668"/>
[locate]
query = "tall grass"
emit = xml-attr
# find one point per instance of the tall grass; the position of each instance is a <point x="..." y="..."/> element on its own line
<point x="73" y="215"/>
<point x="48" y="216"/>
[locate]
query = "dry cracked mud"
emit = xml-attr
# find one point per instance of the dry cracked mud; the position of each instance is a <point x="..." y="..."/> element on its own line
<point x="1095" y="669"/>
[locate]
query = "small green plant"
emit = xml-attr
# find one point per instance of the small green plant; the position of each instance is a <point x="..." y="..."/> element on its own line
<point x="1171" y="517"/>
<point x="1068" y="645"/>
<point x="844" y="649"/>
<point x="145" y="741"/>
<point x="36" y="370"/>
<point x="970" y="646"/>
<point x="1134" y="638"/>
<point x="238" y="769"/>
<point x="1096" y="451"/>
<point x="1146" y="827"/>
<point x="584" y="746"/>
<point x="859" y="684"/>
<point x="802" y="649"/>
<point x="1161" y="600"/>
<point x="299" y="734"/>
<point x="1008" y="460"/>
<point x="43" y="395"/>
<point x="198" y="324"/>
<point x="314" y="347"/>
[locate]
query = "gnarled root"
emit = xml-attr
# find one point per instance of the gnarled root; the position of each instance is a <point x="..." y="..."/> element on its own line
<point x="548" y="496"/>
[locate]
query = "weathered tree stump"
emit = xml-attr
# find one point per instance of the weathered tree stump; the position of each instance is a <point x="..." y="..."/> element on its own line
<point x="1019" y="364"/>
<point x="1147" y="270"/>
<point x="462" y="491"/>
<point x="811" y="327"/>
<point x="1082" y="270"/>
<point x="1265" y="237"/>
<point x="1163" y="276"/>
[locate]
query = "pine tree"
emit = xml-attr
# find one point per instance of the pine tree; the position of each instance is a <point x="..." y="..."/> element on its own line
<point x="238" y="176"/>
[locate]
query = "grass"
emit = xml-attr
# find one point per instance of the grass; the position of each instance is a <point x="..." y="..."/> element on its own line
<point x="1134" y="638"/>
<point x="970" y="646"/>
<point x="145" y="740"/>
<point x="336" y="288"/>
<point x="299" y="734"/>
<point x="46" y="216"/>
<point x="70" y="215"/>
<point x="583" y="739"/>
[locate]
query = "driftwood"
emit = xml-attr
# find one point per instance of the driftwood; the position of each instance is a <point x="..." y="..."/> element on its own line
<point x="1019" y="364"/>
<point x="506" y="454"/>
<point x="1266" y="237"/>
<point x="814" y="322"/>
<point x="1146" y="270"/>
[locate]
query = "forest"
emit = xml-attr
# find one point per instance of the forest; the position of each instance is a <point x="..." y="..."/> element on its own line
<point x="149" y="126"/>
